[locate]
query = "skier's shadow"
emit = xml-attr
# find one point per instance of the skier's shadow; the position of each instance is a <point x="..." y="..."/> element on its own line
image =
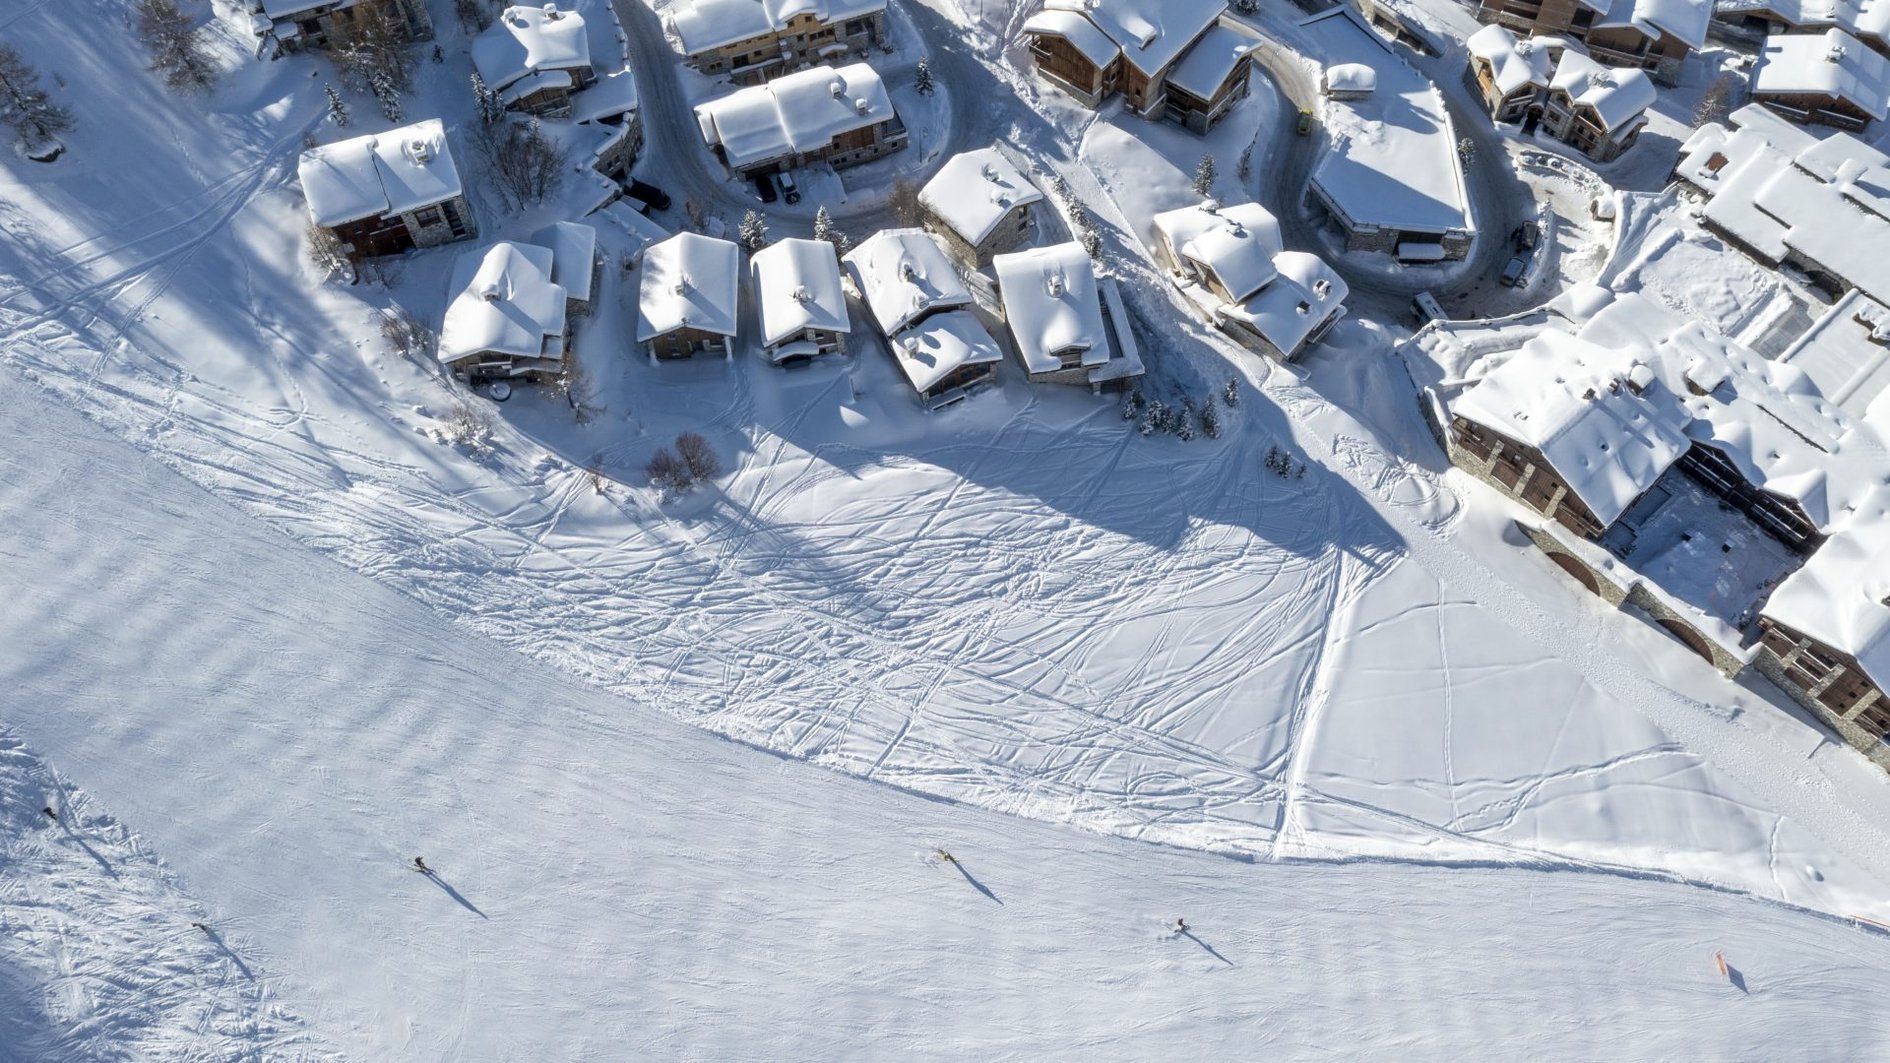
<point x="434" y="877"/>
<point x="217" y="940"/>
<point x="93" y="853"/>
<point x="1738" y="978"/>
<point x="1211" y="951"/>
<point x="979" y="886"/>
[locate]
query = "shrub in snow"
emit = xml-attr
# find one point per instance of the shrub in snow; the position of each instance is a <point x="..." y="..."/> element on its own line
<point x="1210" y="420"/>
<point x="1244" y="169"/>
<point x="922" y="77"/>
<point x="27" y="108"/>
<point x="1131" y="404"/>
<point x="667" y="472"/>
<point x="904" y="201"/>
<point x="824" y="229"/>
<point x="1092" y="243"/>
<point x="573" y="385"/>
<point x="754" y="231"/>
<point x="468" y="427"/>
<point x="523" y="165"/>
<point x="1204" y="175"/>
<point x="178" y="54"/>
<point x="1230" y="394"/>
<point x="697" y="456"/>
<point x="407" y="335"/>
<point x="337" y="108"/>
<point x="328" y="254"/>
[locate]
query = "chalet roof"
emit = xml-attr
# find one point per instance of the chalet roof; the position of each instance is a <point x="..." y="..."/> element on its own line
<point x="1237" y="243"/>
<point x="688" y="281"/>
<point x="530" y="40"/>
<point x="796" y="113"/>
<point x="1684" y="20"/>
<point x="1514" y="64"/>
<point x="573" y="247"/>
<point x="1150" y="36"/>
<point x="1213" y="59"/>
<point x="1831" y="64"/>
<point x="379" y="175"/>
<point x="1052" y="305"/>
<point x="704" y="25"/>
<point x="797" y="286"/>
<point x="1085" y="36"/>
<point x="504" y="301"/>
<point x="904" y="274"/>
<point x="1303" y="294"/>
<point x="975" y="191"/>
<point x="612" y="95"/>
<point x="1617" y="96"/>
<point x="941" y="345"/>
<point x="1839" y="595"/>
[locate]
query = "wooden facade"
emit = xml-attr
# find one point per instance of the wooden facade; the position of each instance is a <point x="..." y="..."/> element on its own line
<point x="1523" y="473"/>
<point x="329" y="25"/>
<point x="1661" y="56"/>
<point x="1199" y="115"/>
<point x="429" y="226"/>
<point x="802" y="42"/>
<point x="1829" y="682"/>
<point x="687" y="343"/>
<point x="1580" y="127"/>
<point x="1061" y="62"/>
<point x="1837" y="112"/>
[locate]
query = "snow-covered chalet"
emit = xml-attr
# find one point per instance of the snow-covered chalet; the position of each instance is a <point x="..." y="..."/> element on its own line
<point x="389" y="192"/>
<point x="1653" y="35"/>
<point x="533" y="58"/>
<point x="293" y="25"/>
<point x="753" y="41"/>
<point x="842" y="117"/>
<point x="687" y="296"/>
<point x="799" y="301"/>
<point x="923" y="309"/>
<point x="511" y="306"/>
<point x="1183" y="60"/>
<point x="980" y="204"/>
<point x="1232" y="265"/>
<point x="1067" y="325"/>
<point x="1551" y="82"/>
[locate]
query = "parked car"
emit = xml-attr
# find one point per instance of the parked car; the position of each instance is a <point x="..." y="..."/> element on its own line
<point x="1515" y="272"/>
<point x="1428" y="309"/>
<point x="764" y="187"/>
<point x="1305" y="122"/>
<point x="789" y="190"/>
<point x="648" y="193"/>
<point x="1526" y="236"/>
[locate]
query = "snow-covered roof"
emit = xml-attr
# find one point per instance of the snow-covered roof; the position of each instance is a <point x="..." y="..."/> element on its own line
<point x="975" y="191"/>
<point x="1394" y="158"/>
<point x="1617" y="95"/>
<point x="797" y="286"/>
<point x="708" y="24"/>
<point x="688" y="281"/>
<point x="530" y="40"/>
<point x="1839" y="595"/>
<point x="573" y="247"/>
<point x="1574" y="401"/>
<point x="1237" y="244"/>
<point x="505" y="301"/>
<point x="1685" y="20"/>
<point x="1779" y="191"/>
<point x="380" y="174"/>
<point x="1846" y="353"/>
<point x="794" y="114"/>
<point x="942" y="344"/>
<point x="1514" y="64"/>
<point x="1151" y="36"/>
<point x="1833" y="64"/>
<point x="1209" y="64"/>
<point x="1354" y="78"/>
<point x="1052" y="306"/>
<point x="1083" y="35"/>
<point x="1303" y="295"/>
<point x="612" y="95"/>
<point x="287" y="8"/>
<point x="904" y="274"/>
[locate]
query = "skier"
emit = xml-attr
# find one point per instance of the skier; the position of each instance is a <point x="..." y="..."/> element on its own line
<point x="421" y="866"/>
<point x="1181" y="926"/>
<point x="947" y="857"/>
<point x="201" y="927"/>
<point x="50" y="814"/>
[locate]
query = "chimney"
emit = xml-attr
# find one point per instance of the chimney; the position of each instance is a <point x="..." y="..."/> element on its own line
<point x="990" y="171"/>
<point x="1053" y="283"/>
<point x="837" y="87"/>
<point x="859" y="104"/>
<point x="490" y="293"/>
<point x="802" y="295"/>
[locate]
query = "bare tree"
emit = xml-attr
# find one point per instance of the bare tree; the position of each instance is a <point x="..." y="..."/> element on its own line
<point x="1717" y="103"/>
<point x="904" y="200"/>
<point x="698" y="456"/>
<point x="329" y="254"/>
<point x="26" y="107"/>
<point x="178" y="53"/>
<point x="408" y="336"/>
<point x="523" y="165"/>
<point x="667" y="472"/>
<point x="467" y="426"/>
<point x="373" y="54"/>
<point x="573" y="385"/>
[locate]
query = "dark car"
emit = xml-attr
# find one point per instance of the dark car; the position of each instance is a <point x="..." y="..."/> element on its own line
<point x="764" y="187"/>
<point x="1526" y="236"/>
<point x="649" y="193"/>
<point x="1515" y="272"/>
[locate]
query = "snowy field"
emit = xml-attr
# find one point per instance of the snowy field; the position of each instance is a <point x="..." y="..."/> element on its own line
<point x="1459" y="810"/>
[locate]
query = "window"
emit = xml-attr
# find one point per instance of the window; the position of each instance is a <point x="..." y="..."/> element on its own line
<point x="1584" y="18"/>
<point x="427" y="216"/>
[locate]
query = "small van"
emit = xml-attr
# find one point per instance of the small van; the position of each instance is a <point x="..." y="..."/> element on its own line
<point x="1427" y="308"/>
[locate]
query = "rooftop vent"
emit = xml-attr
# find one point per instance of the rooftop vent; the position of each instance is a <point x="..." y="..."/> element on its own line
<point x="420" y="151"/>
<point x="491" y="293"/>
<point x="1834" y="54"/>
<point x="990" y="171"/>
<point x="837" y="87"/>
<point x="907" y="272"/>
<point x="1322" y="287"/>
<point x="682" y="285"/>
<point x="802" y="295"/>
<point x="860" y="105"/>
<point x="1053" y="283"/>
<point x="1211" y="206"/>
<point x="552" y="14"/>
<point x="1304" y="307"/>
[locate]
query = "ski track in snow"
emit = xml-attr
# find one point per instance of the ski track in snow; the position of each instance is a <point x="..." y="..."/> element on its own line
<point x="1021" y="606"/>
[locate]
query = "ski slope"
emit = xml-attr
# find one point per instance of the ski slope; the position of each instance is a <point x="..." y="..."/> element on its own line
<point x="286" y="735"/>
<point x="275" y="641"/>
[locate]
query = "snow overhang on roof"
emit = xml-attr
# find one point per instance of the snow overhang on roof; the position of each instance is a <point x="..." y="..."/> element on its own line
<point x="797" y="287"/>
<point x="1052" y="305"/>
<point x="504" y="301"/>
<point x="975" y="191"/>
<point x="688" y="281"/>
<point x="904" y="274"/>
<point x="530" y="40"/>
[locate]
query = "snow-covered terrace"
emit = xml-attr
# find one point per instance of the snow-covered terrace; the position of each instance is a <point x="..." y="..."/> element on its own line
<point x="1393" y="160"/>
<point x="380" y="174"/>
<point x="1831" y="64"/>
<point x="794" y="114"/>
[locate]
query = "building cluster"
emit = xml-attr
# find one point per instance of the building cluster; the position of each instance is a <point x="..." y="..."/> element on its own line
<point x="1551" y="84"/>
<point x="1651" y="35"/>
<point x="1824" y="61"/>
<point x="1182" y="60"/>
<point x="1231" y="259"/>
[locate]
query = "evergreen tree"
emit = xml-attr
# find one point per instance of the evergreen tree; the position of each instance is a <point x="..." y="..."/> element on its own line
<point x="754" y="231"/>
<point x="824" y="229"/>
<point x="1211" y="419"/>
<point x="337" y="109"/>
<point x="1204" y="176"/>
<point x="387" y="93"/>
<point x="489" y="108"/>
<point x="177" y="49"/>
<point x="25" y="106"/>
<point x="922" y="77"/>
